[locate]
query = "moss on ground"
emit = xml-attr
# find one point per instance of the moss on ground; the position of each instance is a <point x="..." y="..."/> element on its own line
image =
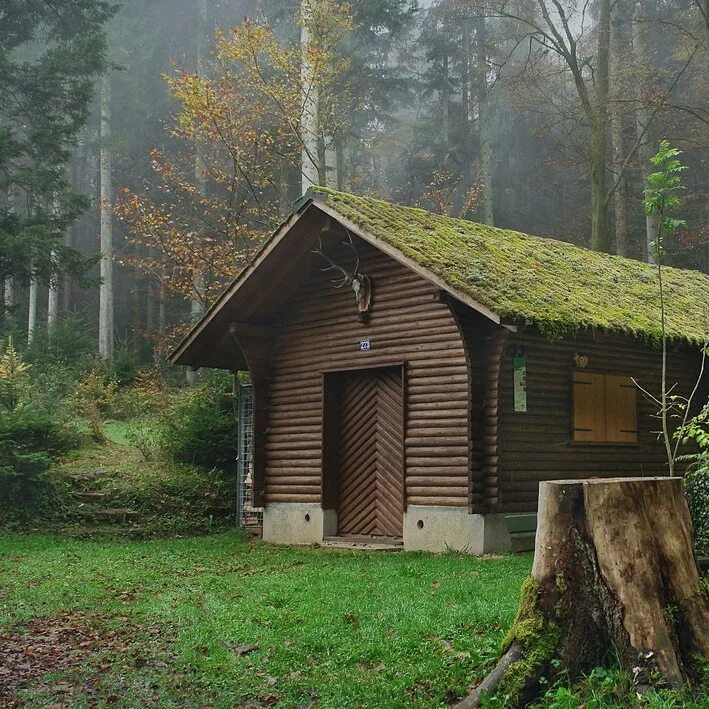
<point x="554" y="285"/>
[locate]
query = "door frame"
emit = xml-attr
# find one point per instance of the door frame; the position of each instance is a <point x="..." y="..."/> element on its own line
<point x="330" y="434"/>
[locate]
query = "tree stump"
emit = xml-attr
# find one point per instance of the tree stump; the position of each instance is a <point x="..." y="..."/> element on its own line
<point x="613" y="568"/>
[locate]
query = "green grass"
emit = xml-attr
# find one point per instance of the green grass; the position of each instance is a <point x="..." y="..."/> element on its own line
<point x="118" y="432"/>
<point x="334" y="628"/>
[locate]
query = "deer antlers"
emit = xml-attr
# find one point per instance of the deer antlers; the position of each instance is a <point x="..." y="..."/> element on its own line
<point x="346" y="278"/>
<point x="360" y="284"/>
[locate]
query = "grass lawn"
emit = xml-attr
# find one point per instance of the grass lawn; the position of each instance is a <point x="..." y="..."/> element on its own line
<point x="217" y="621"/>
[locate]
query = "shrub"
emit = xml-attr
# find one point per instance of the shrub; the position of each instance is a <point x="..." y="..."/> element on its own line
<point x="696" y="481"/>
<point x="93" y="396"/>
<point x="13" y="377"/>
<point x="697" y="487"/>
<point x="201" y="426"/>
<point x="71" y="343"/>
<point x="30" y="439"/>
<point x="124" y="365"/>
<point x="149" y="396"/>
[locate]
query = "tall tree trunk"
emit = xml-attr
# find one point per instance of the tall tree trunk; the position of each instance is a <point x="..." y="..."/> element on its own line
<point x="197" y="303"/>
<point x="643" y="120"/>
<point x="619" y="43"/>
<point x="484" y="122"/>
<point x="53" y="298"/>
<point x="77" y="166"/>
<point x="32" y="309"/>
<point x="340" y="161"/>
<point x="311" y="167"/>
<point x="162" y="315"/>
<point x="445" y="114"/>
<point x="599" y="128"/>
<point x="322" y="159"/>
<point x="200" y="177"/>
<point x="9" y="299"/>
<point x="105" y="318"/>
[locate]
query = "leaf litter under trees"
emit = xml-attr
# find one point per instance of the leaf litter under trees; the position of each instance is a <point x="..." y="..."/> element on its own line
<point x="62" y="657"/>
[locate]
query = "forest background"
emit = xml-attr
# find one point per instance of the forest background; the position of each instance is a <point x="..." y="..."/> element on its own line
<point x="203" y="118"/>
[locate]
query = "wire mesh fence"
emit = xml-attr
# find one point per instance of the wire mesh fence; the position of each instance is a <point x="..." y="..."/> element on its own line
<point x="248" y="516"/>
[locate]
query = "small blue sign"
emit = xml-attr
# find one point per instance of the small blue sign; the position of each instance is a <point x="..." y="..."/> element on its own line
<point x="365" y="345"/>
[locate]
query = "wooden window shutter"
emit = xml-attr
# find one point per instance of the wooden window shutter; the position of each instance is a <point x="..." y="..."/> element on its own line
<point x="621" y="409"/>
<point x="589" y="407"/>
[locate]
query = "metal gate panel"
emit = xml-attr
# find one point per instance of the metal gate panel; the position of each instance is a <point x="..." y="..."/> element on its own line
<point x="247" y="515"/>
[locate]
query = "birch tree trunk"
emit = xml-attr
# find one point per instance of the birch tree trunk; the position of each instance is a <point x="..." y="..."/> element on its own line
<point x="310" y="167"/>
<point x="105" y="319"/>
<point x="33" y="297"/>
<point x="619" y="43"/>
<point x="9" y="298"/>
<point x="53" y="298"/>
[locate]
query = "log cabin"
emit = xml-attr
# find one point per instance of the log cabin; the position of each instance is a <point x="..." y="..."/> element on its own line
<point x="416" y="376"/>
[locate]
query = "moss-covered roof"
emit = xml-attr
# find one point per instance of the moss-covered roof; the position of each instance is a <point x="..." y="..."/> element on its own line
<point x="558" y="287"/>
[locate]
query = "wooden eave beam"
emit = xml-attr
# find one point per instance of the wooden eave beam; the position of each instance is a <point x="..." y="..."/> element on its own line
<point x="230" y="291"/>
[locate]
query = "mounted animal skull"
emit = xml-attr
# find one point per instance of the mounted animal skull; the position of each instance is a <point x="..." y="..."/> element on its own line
<point x="360" y="284"/>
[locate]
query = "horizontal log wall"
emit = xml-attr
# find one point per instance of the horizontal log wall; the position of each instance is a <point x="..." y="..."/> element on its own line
<point x="538" y="445"/>
<point x="319" y="330"/>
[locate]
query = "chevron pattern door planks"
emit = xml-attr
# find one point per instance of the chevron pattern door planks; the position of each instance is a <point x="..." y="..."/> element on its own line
<point x="370" y="453"/>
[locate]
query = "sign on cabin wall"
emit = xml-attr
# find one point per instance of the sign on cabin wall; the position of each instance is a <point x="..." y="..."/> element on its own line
<point x="519" y="367"/>
<point x="365" y="345"/>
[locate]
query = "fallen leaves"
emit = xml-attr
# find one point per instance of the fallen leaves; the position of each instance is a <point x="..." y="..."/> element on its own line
<point x="61" y="646"/>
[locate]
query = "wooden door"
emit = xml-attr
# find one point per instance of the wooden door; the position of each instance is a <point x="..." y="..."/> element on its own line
<point x="369" y="461"/>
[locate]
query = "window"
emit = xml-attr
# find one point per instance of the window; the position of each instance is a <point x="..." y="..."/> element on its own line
<point x="604" y="408"/>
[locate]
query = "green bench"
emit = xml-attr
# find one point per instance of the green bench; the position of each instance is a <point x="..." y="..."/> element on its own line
<point x="522" y="529"/>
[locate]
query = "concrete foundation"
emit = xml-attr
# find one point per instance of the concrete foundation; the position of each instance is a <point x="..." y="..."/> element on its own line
<point x="438" y="529"/>
<point x="426" y="528"/>
<point x="292" y="523"/>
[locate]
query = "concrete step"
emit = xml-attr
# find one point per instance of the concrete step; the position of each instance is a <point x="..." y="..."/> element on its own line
<point x="363" y="543"/>
<point x="118" y="514"/>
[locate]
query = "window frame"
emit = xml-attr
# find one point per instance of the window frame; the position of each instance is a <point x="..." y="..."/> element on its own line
<point x="595" y="444"/>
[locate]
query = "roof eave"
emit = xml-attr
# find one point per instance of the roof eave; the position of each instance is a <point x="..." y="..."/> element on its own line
<point x="233" y="287"/>
<point x="315" y="200"/>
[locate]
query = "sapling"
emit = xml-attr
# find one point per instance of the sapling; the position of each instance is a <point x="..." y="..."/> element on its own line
<point x="661" y="198"/>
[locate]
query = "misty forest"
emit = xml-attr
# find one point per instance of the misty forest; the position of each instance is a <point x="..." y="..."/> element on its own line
<point x="160" y="435"/>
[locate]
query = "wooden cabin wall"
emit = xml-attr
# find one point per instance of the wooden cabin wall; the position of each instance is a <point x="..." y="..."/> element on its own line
<point x="319" y="330"/>
<point x="537" y="445"/>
